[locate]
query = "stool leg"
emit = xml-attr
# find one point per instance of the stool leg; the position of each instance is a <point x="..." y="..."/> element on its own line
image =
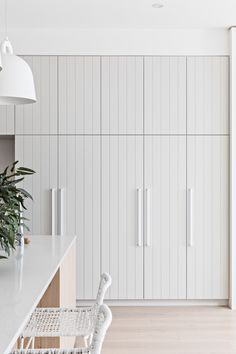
<point x="86" y="342"/>
<point x="22" y="342"/>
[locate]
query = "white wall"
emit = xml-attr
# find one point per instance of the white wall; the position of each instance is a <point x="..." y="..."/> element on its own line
<point x="119" y="42"/>
<point x="7" y="152"/>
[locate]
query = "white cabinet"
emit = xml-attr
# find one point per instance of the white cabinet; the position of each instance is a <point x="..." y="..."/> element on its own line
<point x="208" y="95"/>
<point x="79" y="208"/>
<point x="121" y="215"/>
<point x="208" y="233"/>
<point x="79" y="95"/>
<point x="165" y="217"/>
<point x="165" y="95"/>
<point x="122" y="95"/>
<point x="40" y="154"/>
<point x="40" y="117"/>
<point x="7" y="126"/>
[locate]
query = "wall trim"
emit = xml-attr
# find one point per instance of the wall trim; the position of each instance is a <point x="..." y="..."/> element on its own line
<point x="158" y="303"/>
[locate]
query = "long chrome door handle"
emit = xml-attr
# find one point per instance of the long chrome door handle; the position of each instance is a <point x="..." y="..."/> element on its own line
<point x="139" y="217"/>
<point x="53" y="211"/>
<point x="147" y="217"/>
<point x="190" y="217"/>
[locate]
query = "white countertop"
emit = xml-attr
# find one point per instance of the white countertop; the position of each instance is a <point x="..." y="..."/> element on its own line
<point x="23" y="281"/>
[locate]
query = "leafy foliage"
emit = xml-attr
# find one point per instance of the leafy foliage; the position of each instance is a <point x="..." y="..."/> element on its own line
<point x="11" y="203"/>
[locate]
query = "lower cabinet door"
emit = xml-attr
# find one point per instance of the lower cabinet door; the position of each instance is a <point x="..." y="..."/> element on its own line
<point x="40" y="154"/>
<point x="121" y="215"/>
<point x="79" y="206"/>
<point x="208" y="217"/>
<point x="165" y="217"/>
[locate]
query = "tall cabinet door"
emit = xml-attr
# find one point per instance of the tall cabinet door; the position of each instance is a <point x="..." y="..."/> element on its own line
<point x="40" y="117"/>
<point x="40" y="154"/>
<point x="79" y="206"/>
<point x="165" y="217"/>
<point x="208" y="217"/>
<point x="121" y="207"/>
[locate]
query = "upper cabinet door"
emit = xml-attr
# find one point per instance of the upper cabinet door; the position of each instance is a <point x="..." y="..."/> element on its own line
<point x="165" y="95"/>
<point x="40" y="154"/>
<point x="165" y="217"/>
<point x="79" y="95"/>
<point x="121" y="215"/>
<point x="208" y="95"/>
<point x="40" y="117"/>
<point x="7" y="126"/>
<point x="208" y="217"/>
<point x="122" y="95"/>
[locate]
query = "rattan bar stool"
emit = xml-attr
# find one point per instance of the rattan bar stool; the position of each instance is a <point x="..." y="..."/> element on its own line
<point x="56" y="322"/>
<point x="102" y="323"/>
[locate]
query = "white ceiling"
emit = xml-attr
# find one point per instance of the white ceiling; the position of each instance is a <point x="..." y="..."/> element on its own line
<point x="188" y="14"/>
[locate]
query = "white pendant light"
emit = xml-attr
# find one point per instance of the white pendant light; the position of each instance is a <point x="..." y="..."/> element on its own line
<point x="16" y="78"/>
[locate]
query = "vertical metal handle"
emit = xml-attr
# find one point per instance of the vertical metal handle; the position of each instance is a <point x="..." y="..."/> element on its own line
<point x="147" y="218"/>
<point x="61" y="208"/>
<point x="53" y="211"/>
<point x="190" y="217"/>
<point x="139" y="217"/>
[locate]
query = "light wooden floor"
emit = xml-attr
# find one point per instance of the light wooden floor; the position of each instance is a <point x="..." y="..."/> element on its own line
<point x="148" y="330"/>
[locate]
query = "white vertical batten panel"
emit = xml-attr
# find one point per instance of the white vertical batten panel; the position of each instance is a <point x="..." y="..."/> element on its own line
<point x="208" y="177"/>
<point x="122" y="174"/>
<point x="165" y="95"/>
<point x="7" y="125"/>
<point x="165" y="176"/>
<point x="208" y="95"/>
<point x="79" y="95"/>
<point x="40" y="117"/>
<point x="79" y="176"/>
<point x="122" y="95"/>
<point x="40" y="154"/>
<point x="232" y="297"/>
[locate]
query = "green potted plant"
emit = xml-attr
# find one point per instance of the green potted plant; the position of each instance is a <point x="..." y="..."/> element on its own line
<point x="11" y="205"/>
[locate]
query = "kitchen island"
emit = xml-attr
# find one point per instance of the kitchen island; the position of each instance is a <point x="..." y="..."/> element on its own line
<point x="44" y="276"/>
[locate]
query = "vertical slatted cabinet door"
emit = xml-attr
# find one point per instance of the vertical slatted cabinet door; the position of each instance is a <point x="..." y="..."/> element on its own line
<point x="165" y="95"/>
<point x="40" y="117"/>
<point x="79" y="95"/>
<point x="208" y="95"/>
<point x="122" y="175"/>
<point x="40" y="154"/>
<point x="165" y="217"/>
<point x="122" y="95"/>
<point x="79" y="177"/>
<point x="7" y="126"/>
<point x="208" y="254"/>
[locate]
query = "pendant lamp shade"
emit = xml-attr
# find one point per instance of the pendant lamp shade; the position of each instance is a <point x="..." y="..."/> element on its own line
<point x="16" y="78"/>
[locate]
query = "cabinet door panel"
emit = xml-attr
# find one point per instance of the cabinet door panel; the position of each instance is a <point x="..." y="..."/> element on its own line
<point x="208" y="177"/>
<point x="165" y="257"/>
<point x="79" y="95"/>
<point x="40" y="117"/>
<point x="7" y="125"/>
<point x="208" y="95"/>
<point x="122" y="95"/>
<point x="165" y="95"/>
<point x="122" y="174"/>
<point x="79" y="176"/>
<point x="40" y="154"/>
